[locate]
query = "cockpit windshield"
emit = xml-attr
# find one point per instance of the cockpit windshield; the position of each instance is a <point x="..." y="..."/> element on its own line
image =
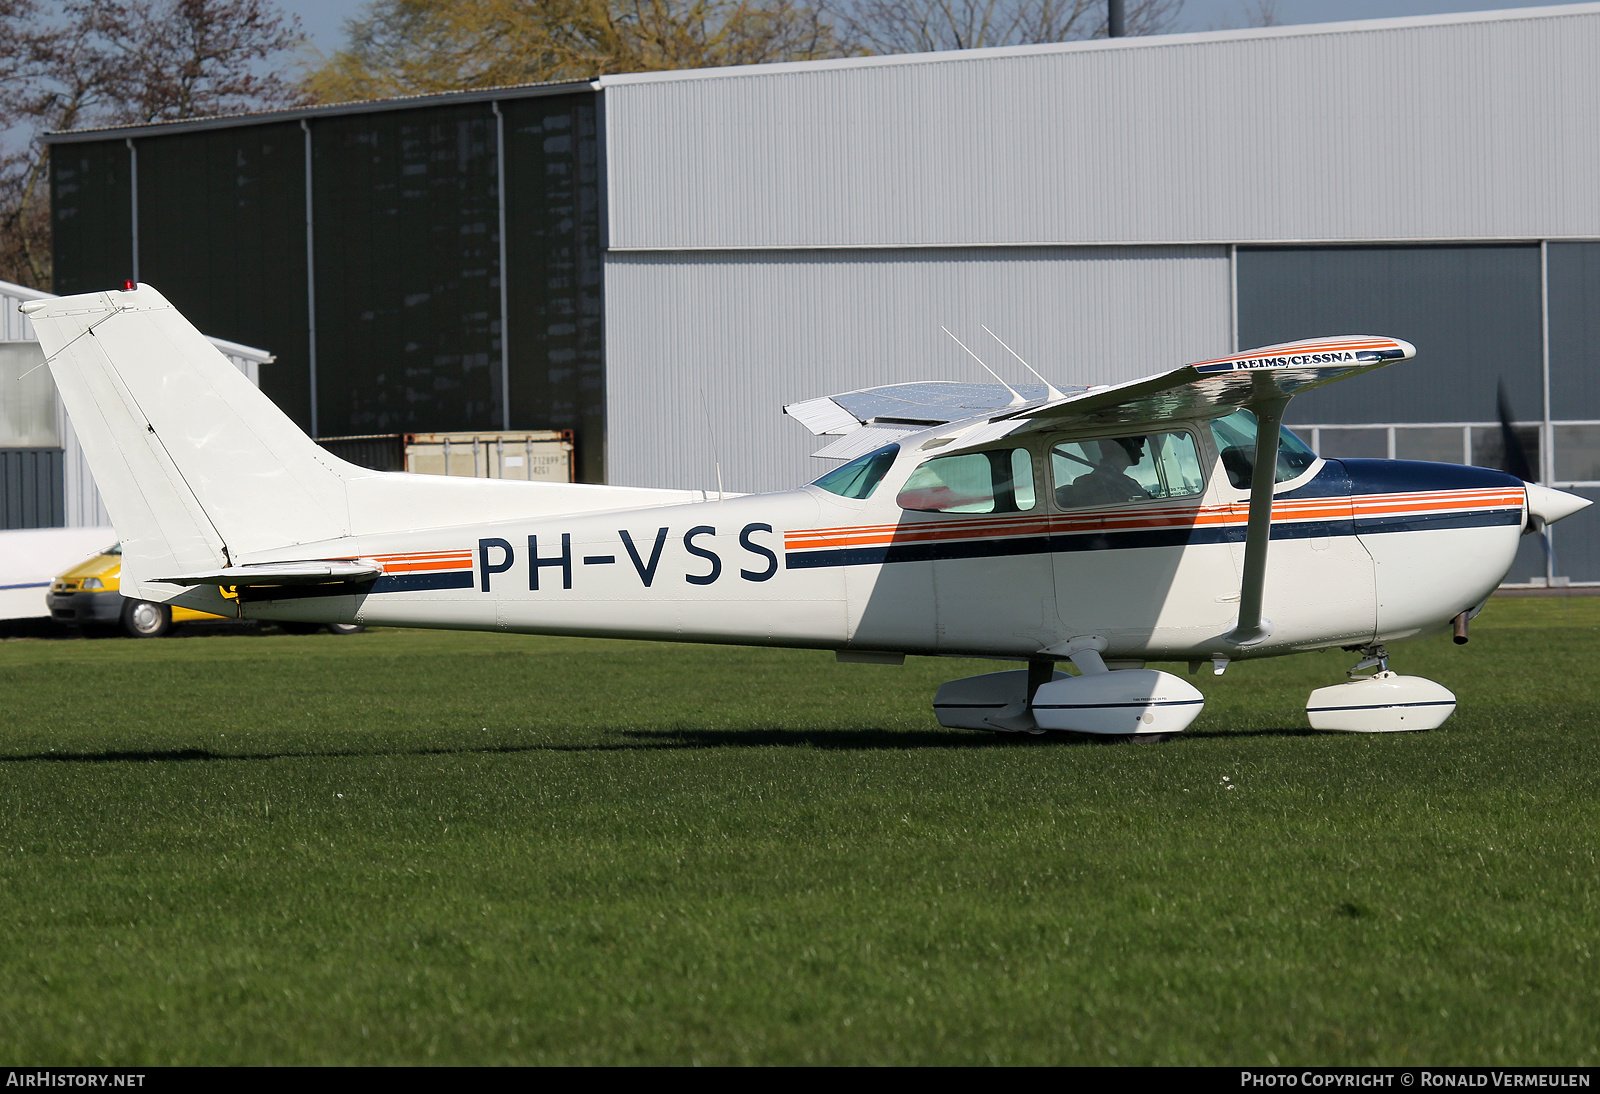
<point x="860" y="477"/>
<point x="1236" y="441"/>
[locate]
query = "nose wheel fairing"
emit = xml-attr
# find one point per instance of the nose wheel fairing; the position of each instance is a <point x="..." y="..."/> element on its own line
<point x="1384" y="702"/>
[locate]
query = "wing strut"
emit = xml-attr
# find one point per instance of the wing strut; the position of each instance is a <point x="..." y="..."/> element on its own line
<point x="1251" y="628"/>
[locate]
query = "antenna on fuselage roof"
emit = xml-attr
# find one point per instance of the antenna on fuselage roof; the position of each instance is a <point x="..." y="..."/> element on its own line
<point x="1048" y="386"/>
<point x="1016" y="396"/>
<point x="711" y="434"/>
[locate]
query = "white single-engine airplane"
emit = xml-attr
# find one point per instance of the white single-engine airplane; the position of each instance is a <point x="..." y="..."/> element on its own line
<point x="1105" y="526"/>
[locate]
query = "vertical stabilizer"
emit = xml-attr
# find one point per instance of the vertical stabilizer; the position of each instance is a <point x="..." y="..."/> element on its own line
<point x="197" y="466"/>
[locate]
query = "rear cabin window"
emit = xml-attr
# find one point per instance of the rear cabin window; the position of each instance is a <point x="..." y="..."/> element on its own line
<point x="1118" y="470"/>
<point x="973" y="482"/>
<point x="860" y="477"/>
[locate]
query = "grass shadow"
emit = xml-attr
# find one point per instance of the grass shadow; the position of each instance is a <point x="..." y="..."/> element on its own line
<point x="832" y="740"/>
<point x="633" y="741"/>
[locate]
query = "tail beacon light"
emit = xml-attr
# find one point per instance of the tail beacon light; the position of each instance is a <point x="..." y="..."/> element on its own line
<point x="1382" y="703"/>
<point x="1127" y="702"/>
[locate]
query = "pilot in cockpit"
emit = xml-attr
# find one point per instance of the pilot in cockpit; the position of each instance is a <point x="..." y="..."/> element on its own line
<point x="1108" y="483"/>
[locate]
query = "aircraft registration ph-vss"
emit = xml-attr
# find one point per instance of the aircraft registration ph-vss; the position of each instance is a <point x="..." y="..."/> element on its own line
<point x="1106" y="527"/>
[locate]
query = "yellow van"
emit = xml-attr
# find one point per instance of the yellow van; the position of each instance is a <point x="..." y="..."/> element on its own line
<point x="88" y="597"/>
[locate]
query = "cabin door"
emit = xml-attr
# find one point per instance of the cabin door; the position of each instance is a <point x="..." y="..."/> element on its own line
<point x="1138" y="558"/>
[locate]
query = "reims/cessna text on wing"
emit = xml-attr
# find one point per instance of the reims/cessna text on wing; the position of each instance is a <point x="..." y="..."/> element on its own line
<point x="1107" y="527"/>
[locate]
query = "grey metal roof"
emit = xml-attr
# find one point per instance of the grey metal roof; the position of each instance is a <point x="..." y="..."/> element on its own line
<point x="322" y="110"/>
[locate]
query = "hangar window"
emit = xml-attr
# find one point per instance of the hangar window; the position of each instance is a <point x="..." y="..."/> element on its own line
<point x="973" y="482"/>
<point x="860" y="477"/>
<point x="1117" y="470"/>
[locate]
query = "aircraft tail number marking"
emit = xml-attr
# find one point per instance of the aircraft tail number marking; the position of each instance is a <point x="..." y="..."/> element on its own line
<point x="498" y="556"/>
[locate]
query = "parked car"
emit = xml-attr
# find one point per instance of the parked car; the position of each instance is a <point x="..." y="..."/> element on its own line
<point x="88" y="597"/>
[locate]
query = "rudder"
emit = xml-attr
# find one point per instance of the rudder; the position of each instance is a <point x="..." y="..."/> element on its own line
<point x="197" y="467"/>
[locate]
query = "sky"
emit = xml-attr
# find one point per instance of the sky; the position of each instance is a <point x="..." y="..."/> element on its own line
<point x="323" y="20"/>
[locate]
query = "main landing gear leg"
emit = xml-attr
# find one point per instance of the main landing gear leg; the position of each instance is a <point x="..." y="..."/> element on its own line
<point x="1040" y="673"/>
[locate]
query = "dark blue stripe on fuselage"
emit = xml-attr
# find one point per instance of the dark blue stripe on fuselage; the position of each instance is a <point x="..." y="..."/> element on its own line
<point x="1139" y="539"/>
<point x="411" y="583"/>
<point x="1429" y="522"/>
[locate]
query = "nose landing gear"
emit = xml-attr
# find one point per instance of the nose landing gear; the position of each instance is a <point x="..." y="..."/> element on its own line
<point x="1380" y="702"/>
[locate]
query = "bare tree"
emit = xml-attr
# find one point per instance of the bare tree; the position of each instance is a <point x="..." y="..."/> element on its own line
<point x="407" y="46"/>
<point x="923" y="26"/>
<point x="160" y="60"/>
<point x="92" y="62"/>
<point x="1261" y="13"/>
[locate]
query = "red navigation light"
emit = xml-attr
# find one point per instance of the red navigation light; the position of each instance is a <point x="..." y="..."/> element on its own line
<point x="127" y="286"/>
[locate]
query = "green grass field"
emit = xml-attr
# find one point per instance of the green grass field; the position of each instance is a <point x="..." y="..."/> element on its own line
<point x="458" y="848"/>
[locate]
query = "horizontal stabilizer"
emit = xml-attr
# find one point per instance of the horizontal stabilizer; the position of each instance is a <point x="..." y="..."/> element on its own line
<point x="280" y="573"/>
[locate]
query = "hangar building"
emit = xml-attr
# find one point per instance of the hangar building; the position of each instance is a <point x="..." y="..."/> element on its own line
<point x="660" y="261"/>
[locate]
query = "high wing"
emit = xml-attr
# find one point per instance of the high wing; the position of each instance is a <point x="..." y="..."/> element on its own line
<point x="870" y="417"/>
<point x="1226" y="383"/>
<point x="1262" y="380"/>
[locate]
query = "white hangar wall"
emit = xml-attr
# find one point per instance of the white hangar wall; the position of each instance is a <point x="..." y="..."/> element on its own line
<point x="1483" y="126"/>
<point x="715" y="343"/>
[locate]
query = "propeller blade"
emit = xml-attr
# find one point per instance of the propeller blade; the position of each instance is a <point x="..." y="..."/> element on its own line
<point x="1516" y="462"/>
<point x="1515" y="458"/>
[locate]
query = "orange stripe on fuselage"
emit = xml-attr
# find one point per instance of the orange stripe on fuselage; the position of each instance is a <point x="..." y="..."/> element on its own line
<point x="1283" y="511"/>
<point x="425" y="560"/>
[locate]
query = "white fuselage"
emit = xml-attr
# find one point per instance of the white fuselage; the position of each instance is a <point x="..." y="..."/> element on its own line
<point x="1357" y="557"/>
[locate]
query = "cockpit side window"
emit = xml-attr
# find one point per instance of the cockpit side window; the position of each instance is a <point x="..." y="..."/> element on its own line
<point x="1235" y="435"/>
<point x="1118" y="470"/>
<point x="860" y="477"/>
<point x="1000" y="481"/>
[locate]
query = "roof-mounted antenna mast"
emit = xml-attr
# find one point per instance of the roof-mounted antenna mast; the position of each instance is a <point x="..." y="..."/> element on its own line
<point x="711" y="433"/>
<point x="1016" y="396"/>
<point x="1048" y="386"/>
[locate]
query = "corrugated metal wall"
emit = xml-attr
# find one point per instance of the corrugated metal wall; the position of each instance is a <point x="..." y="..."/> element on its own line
<point x="704" y="349"/>
<point x="1473" y="312"/>
<point x="403" y="318"/>
<point x="1473" y="126"/>
<point x="30" y="488"/>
